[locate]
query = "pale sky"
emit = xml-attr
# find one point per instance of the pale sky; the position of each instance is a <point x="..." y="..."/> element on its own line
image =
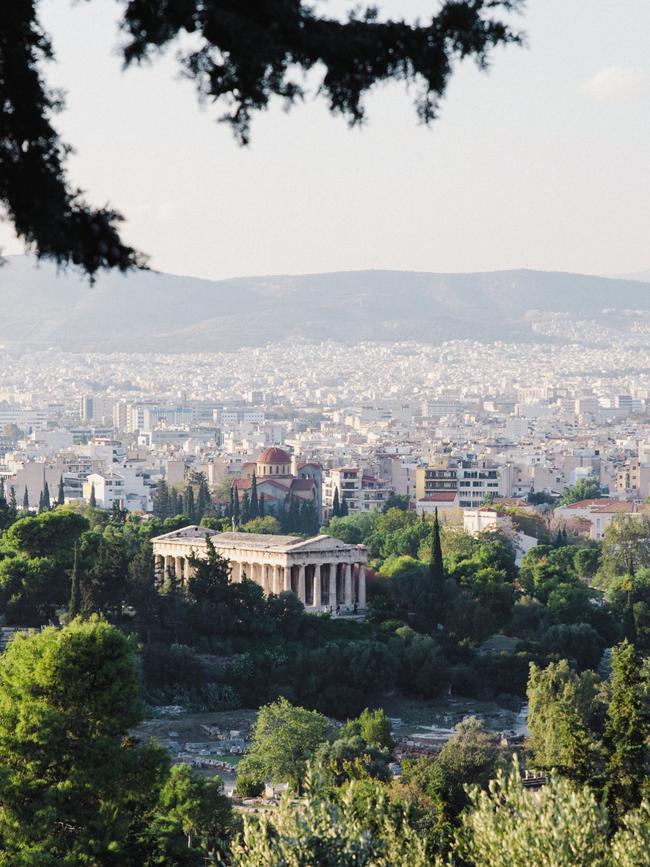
<point x="540" y="163"/>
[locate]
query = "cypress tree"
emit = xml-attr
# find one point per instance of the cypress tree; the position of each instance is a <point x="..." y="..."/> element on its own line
<point x="12" y="500"/>
<point x="245" y="508"/>
<point x="336" y="504"/>
<point x="261" y="510"/>
<point x="173" y="504"/>
<point x="61" y="498"/>
<point x="255" y="506"/>
<point x="235" y="509"/>
<point x="189" y="510"/>
<point x="344" y="511"/>
<point x="436" y="566"/>
<point x="26" y="500"/>
<point x="231" y="506"/>
<point x="2" y="489"/>
<point x="202" y="500"/>
<point x="41" y="502"/>
<point x="92" y="502"/>
<point x="46" y="497"/>
<point x="161" y="502"/>
<point x="293" y="518"/>
<point x="627" y="729"/>
<point x="74" y="606"/>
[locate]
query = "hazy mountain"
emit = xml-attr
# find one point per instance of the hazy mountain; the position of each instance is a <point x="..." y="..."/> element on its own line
<point x="643" y="276"/>
<point x="150" y="311"/>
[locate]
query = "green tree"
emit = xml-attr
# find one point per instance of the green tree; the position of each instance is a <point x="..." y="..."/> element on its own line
<point x="203" y="500"/>
<point x="161" y="504"/>
<point x="373" y="727"/>
<point x="268" y="525"/>
<point x="74" y="788"/>
<point x="557" y="825"/>
<point x="74" y="606"/>
<point x="560" y="704"/>
<point x="52" y="534"/>
<point x="26" y="500"/>
<point x="436" y="565"/>
<point x="192" y="806"/>
<point x="627" y="732"/>
<point x="284" y="739"/>
<point x="322" y="832"/>
<point x="188" y="509"/>
<point x="584" y="489"/>
<point x="46" y="497"/>
<point x="626" y="545"/>
<point x="92" y="500"/>
<point x="245" y="508"/>
<point x="336" y="504"/>
<point x="235" y="505"/>
<point x="61" y="494"/>
<point x="254" y="511"/>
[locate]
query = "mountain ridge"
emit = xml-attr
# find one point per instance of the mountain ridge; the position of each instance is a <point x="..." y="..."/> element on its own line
<point x="154" y="311"/>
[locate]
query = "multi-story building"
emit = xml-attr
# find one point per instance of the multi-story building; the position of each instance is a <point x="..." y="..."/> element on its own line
<point x="361" y="492"/>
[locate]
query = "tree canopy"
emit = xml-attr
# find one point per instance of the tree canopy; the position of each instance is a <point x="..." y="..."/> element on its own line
<point x="247" y="54"/>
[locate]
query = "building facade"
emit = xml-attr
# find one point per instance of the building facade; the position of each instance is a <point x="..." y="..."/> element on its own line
<point x="321" y="571"/>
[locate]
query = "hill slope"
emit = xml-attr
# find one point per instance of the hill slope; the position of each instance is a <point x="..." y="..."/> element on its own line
<point x="161" y="312"/>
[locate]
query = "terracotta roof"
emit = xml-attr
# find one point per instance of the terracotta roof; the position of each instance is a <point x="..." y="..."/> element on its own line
<point x="302" y="484"/>
<point x="441" y="497"/>
<point x="584" y="504"/>
<point x="274" y="455"/>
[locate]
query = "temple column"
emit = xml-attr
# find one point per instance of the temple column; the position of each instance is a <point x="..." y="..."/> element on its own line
<point x="348" y="584"/>
<point x="189" y="569"/>
<point x="333" y="568"/>
<point x="169" y="565"/>
<point x="285" y="572"/>
<point x="362" y="586"/>
<point x="317" y="590"/>
<point x="159" y="567"/>
<point x="178" y="567"/>
<point x="301" y="585"/>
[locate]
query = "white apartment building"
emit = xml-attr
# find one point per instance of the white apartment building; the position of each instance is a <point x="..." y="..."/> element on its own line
<point x="361" y="492"/>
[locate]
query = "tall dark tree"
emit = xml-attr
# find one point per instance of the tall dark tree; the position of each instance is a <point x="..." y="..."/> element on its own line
<point x="92" y="501"/>
<point x="255" y="504"/>
<point x="262" y="507"/>
<point x="41" y="503"/>
<point x="142" y="590"/>
<point x="26" y="500"/>
<point x="61" y="495"/>
<point x="247" y="54"/>
<point x="336" y="504"/>
<point x="345" y="511"/>
<point x="2" y="489"/>
<point x="189" y="509"/>
<point x="203" y="500"/>
<point x="174" y="507"/>
<point x="13" y="506"/>
<point x="161" y="503"/>
<point x="436" y="565"/>
<point x="74" y="605"/>
<point x="627" y="731"/>
<point x="235" y="505"/>
<point x="245" y="508"/>
<point x="46" y="497"/>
